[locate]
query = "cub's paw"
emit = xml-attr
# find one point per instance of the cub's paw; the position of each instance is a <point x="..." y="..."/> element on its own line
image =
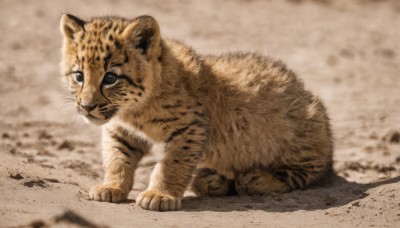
<point x="107" y="193"/>
<point x="257" y="182"/>
<point x="157" y="201"/>
<point x="207" y="182"/>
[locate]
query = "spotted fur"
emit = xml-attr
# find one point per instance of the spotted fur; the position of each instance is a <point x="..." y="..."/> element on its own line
<point x="236" y="123"/>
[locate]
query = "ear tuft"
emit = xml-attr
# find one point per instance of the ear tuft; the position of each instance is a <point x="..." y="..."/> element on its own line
<point x="144" y="33"/>
<point x="70" y="25"/>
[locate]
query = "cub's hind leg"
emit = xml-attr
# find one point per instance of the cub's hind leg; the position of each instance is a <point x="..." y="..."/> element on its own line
<point x="208" y="182"/>
<point x="121" y="155"/>
<point x="280" y="180"/>
<point x="258" y="182"/>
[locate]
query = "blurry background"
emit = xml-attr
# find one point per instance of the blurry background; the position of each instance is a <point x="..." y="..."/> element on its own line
<point x="347" y="52"/>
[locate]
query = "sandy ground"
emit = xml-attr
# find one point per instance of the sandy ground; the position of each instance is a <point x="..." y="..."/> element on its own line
<point x="347" y="52"/>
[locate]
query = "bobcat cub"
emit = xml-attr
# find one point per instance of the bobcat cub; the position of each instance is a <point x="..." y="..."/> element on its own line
<point x="235" y="123"/>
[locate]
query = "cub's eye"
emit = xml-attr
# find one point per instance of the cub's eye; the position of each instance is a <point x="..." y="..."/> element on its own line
<point x="109" y="79"/>
<point x="78" y="77"/>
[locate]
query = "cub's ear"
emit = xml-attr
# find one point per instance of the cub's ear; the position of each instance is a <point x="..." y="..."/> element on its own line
<point x="144" y="34"/>
<point x="70" y="25"/>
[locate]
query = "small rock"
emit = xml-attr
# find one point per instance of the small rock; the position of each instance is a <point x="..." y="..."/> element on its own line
<point x="5" y="135"/>
<point x="16" y="176"/>
<point x="66" y="145"/>
<point x="355" y="166"/>
<point x="37" y="224"/>
<point x="73" y="218"/>
<point x="52" y="180"/>
<point x="385" y="169"/>
<point x="392" y="137"/>
<point x="13" y="151"/>
<point x="39" y="183"/>
<point x="356" y="204"/>
<point x="44" y="135"/>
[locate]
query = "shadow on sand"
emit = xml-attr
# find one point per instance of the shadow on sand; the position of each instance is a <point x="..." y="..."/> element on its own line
<point x="334" y="191"/>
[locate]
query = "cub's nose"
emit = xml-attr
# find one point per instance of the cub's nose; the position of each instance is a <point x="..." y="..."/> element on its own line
<point x="88" y="106"/>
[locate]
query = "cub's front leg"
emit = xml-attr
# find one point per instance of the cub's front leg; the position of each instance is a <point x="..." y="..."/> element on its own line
<point x="172" y="175"/>
<point x="121" y="155"/>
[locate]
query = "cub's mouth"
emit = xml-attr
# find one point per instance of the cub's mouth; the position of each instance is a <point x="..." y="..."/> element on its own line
<point x="97" y="117"/>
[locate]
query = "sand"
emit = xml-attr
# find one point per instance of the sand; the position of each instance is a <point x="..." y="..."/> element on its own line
<point x="347" y="52"/>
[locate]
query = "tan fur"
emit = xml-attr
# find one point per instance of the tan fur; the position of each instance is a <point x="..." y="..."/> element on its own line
<point x="244" y="121"/>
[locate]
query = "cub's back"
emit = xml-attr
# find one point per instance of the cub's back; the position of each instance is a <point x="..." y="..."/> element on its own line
<point x="255" y="107"/>
<point x="251" y="72"/>
<point x="247" y="81"/>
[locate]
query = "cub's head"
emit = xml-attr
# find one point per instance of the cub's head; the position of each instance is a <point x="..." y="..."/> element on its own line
<point x="110" y="64"/>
